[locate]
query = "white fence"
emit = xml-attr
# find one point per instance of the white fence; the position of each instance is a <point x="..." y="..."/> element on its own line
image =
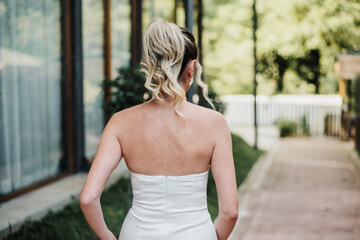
<point x="240" y="109"/>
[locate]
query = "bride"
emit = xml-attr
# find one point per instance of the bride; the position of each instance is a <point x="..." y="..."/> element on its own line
<point x="168" y="145"/>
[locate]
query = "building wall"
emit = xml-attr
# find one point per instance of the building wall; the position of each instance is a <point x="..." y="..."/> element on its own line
<point x="54" y="55"/>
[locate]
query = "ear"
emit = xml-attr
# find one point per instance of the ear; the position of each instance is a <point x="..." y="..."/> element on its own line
<point x="190" y="71"/>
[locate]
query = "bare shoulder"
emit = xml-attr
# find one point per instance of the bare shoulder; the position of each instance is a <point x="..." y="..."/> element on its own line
<point x="209" y="117"/>
<point x="125" y="115"/>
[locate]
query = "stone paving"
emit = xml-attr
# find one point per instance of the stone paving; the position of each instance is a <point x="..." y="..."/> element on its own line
<point x="308" y="189"/>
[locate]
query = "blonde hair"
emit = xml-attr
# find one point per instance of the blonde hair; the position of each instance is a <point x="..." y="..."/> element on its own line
<point x="167" y="49"/>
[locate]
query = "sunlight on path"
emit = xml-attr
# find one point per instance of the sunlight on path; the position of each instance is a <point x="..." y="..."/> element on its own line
<point x="311" y="191"/>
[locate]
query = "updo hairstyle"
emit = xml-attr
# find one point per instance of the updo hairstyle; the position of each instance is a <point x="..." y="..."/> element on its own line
<point x="167" y="50"/>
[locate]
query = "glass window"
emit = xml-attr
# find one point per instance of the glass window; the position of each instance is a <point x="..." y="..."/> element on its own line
<point x="30" y="92"/>
<point x="93" y="60"/>
<point x="120" y="35"/>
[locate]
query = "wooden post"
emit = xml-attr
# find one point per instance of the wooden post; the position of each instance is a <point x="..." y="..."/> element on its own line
<point x="136" y="32"/>
<point x="342" y="87"/>
<point x="107" y="52"/>
<point x="68" y="140"/>
<point x="107" y="39"/>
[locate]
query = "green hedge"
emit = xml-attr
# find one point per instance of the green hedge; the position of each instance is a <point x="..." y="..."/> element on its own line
<point x="356" y="87"/>
<point x="70" y="223"/>
<point x="287" y="127"/>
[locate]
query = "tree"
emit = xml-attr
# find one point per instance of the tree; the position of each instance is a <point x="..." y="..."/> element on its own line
<point x="297" y="43"/>
<point x="273" y="66"/>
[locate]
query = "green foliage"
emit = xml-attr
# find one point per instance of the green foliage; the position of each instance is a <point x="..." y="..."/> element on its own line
<point x="357" y="134"/>
<point x="356" y="91"/>
<point x="287" y="127"/>
<point x="244" y="158"/>
<point x="300" y="37"/>
<point x="219" y="105"/>
<point x="308" y="68"/>
<point x="311" y="34"/>
<point x="69" y="223"/>
<point x="126" y="90"/>
<point x="327" y="124"/>
<point x="227" y="46"/>
<point x="273" y="66"/>
<point x="305" y="128"/>
<point x="356" y="88"/>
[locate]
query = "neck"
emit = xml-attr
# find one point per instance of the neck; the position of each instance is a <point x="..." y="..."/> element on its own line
<point x="167" y="103"/>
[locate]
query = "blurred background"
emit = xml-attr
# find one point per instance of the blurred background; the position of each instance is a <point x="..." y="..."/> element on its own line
<point x="274" y="68"/>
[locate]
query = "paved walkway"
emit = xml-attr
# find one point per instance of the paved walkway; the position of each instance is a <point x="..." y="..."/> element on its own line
<point x="305" y="189"/>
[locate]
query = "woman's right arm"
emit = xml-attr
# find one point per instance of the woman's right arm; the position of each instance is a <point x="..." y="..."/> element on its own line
<point x="223" y="171"/>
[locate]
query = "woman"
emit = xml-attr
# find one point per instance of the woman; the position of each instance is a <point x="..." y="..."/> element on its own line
<point x="168" y="145"/>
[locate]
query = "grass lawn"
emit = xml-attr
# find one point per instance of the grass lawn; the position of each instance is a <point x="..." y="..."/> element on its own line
<point x="69" y="223"/>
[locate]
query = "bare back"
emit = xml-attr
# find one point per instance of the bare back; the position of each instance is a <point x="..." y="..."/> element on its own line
<point x="154" y="140"/>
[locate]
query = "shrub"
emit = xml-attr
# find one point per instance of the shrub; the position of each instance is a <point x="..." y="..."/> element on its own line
<point x="305" y="126"/>
<point x="69" y="223"/>
<point x="128" y="90"/>
<point x="357" y="111"/>
<point x="287" y="127"/>
<point x="356" y="90"/>
<point x="125" y="91"/>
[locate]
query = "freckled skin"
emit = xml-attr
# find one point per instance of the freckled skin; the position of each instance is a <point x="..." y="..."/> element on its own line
<point x="154" y="140"/>
<point x="158" y="137"/>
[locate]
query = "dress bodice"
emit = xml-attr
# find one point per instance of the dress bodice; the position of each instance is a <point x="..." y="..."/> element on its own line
<point x="169" y="207"/>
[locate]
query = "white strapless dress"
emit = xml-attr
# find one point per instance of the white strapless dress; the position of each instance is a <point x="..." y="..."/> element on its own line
<point x="168" y="208"/>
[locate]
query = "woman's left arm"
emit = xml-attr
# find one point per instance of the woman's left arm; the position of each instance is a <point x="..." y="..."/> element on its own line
<point x="107" y="157"/>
